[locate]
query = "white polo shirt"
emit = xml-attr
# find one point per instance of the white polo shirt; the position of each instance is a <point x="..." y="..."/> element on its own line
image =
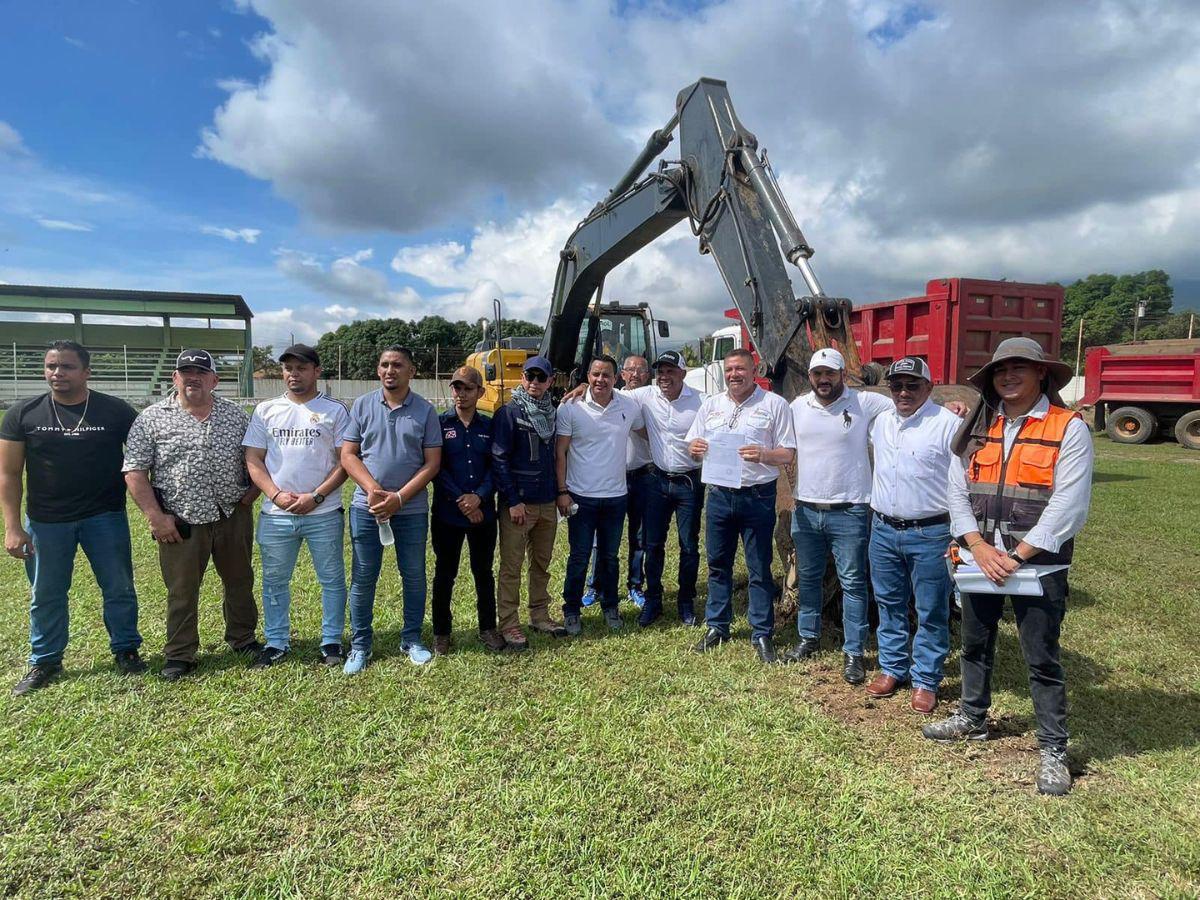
<point x="832" y="465"/>
<point x="763" y="418"/>
<point x="912" y="461"/>
<point x="302" y="442"/>
<point x="599" y="438"/>
<point x="667" y="425"/>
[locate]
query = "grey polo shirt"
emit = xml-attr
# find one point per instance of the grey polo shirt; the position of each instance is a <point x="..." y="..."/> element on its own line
<point x="392" y="442"/>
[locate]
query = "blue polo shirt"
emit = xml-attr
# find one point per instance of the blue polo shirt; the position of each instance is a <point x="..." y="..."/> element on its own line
<point x="466" y="468"/>
<point x="392" y="442"/>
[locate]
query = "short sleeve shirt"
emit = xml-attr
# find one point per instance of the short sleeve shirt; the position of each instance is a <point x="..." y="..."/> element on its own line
<point x="392" y="442"/>
<point x="832" y="463"/>
<point x="198" y="467"/>
<point x="302" y="441"/>
<point x="72" y="454"/>
<point x="599" y="438"/>
<point x="762" y="418"/>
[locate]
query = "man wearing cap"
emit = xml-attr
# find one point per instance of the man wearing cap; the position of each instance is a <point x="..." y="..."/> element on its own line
<point x="590" y="453"/>
<point x="67" y="444"/>
<point x="186" y="470"/>
<point x="392" y="450"/>
<point x="523" y="471"/>
<point x="674" y="487"/>
<point x="832" y="492"/>
<point x="760" y="423"/>
<point x="292" y="452"/>
<point x="464" y="509"/>
<point x="910" y="533"/>
<point x="1019" y="493"/>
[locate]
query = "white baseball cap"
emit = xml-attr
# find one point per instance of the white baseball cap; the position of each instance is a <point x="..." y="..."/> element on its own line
<point x="829" y="358"/>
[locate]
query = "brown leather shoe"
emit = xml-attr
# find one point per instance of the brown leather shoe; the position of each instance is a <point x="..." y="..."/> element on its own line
<point x="923" y="701"/>
<point x="883" y="685"/>
<point x="441" y="644"/>
<point x="514" y="638"/>
<point x="549" y="626"/>
<point x="492" y="640"/>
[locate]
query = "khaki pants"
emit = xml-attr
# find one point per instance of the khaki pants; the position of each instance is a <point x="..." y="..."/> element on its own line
<point x="535" y="538"/>
<point x="230" y="545"/>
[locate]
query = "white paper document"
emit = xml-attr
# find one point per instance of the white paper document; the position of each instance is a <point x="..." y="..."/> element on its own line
<point x="970" y="578"/>
<point x="722" y="465"/>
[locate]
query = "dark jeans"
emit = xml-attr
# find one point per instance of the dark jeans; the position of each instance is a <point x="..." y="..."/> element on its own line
<point x="599" y="520"/>
<point x="683" y="496"/>
<point x="1039" y="620"/>
<point x="447" y="542"/>
<point x="639" y="487"/>
<point x="366" y="561"/>
<point x="748" y="513"/>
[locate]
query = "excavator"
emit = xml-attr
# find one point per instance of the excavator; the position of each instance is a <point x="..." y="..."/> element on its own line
<point x="725" y="188"/>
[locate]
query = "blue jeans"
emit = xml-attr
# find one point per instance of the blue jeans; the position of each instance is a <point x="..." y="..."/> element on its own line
<point x="749" y="513"/>
<point x="279" y="539"/>
<point x="639" y="487"/>
<point x="683" y="496"/>
<point x="844" y="532"/>
<point x="367" y="559"/>
<point x="912" y="561"/>
<point x="599" y="520"/>
<point x="105" y="541"/>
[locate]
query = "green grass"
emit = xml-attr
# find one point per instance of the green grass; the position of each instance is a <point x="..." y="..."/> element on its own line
<point x="615" y="766"/>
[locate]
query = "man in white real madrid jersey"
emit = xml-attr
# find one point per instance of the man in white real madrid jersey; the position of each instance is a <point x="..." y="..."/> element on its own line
<point x="292" y="453"/>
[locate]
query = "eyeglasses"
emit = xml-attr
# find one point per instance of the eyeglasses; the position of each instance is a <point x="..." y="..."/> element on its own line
<point x="904" y="387"/>
<point x="536" y="375"/>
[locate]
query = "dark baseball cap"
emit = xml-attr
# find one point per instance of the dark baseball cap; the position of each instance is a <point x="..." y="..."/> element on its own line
<point x="910" y="365"/>
<point x="669" y="358"/>
<point x="302" y="352"/>
<point x="195" y="359"/>
<point x="538" y="362"/>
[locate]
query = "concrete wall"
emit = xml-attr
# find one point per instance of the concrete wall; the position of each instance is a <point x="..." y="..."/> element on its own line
<point x="436" y="392"/>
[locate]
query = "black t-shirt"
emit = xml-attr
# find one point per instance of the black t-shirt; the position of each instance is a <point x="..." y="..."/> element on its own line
<point x="71" y="474"/>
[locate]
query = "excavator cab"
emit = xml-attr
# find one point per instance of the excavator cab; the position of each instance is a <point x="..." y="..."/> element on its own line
<point x="619" y="331"/>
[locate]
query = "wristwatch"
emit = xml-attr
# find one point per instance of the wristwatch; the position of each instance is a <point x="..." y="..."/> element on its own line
<point x="1012" y="554"/>
<point x="318" y="498"/>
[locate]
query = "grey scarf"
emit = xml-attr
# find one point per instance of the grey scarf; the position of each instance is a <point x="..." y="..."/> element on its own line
<point x="540" y="413"/>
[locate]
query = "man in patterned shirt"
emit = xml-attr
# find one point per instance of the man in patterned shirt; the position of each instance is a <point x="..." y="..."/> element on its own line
<point x="186" y="470"/>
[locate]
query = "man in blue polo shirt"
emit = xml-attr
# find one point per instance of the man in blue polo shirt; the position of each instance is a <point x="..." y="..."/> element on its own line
<point x="392" y="449"/>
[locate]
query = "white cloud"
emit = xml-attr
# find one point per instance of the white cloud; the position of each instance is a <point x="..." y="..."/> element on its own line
<point x="63" y="225"/>
<point x="10" y="141"/>
<point x="249" y="235"/>
<point x="337" y="311"/>
<point x="74" y="42"/>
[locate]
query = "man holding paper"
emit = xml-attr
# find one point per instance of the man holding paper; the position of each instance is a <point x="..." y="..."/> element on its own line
<point x="743" y="436"/>
<point x="1019" y="493"/>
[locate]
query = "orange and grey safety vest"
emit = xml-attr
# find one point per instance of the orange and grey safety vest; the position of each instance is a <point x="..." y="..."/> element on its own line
<point x="1008" y="495"/>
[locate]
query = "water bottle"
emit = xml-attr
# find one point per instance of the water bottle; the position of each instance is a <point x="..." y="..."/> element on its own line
<point x="571" y="510"/>
<point x="385" y="532"/>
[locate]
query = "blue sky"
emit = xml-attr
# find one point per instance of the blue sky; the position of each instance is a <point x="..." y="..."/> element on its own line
<point x="373" y="158"/>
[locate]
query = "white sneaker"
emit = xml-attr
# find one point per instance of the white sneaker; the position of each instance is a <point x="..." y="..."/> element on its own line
<point x="356" y="662"/>
<point x="418" y="655"/>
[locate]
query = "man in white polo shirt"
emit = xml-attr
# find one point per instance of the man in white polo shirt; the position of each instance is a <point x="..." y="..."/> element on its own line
<point x="833" y="490"/>
<point x="741" y="496"/>
<point x="292" y="453"/>
<point x="910" y="532"/>
<point x="593" y="435"/>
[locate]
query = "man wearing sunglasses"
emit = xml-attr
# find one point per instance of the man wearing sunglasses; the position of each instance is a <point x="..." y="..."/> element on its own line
<point x="910" y="532"/>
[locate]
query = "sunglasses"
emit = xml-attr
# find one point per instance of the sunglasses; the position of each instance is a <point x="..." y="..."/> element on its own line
<point x="536" y="375"/>
<point x="900" y="387"/>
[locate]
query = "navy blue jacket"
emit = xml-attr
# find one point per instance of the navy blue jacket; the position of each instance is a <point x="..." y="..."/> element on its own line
<point x="522" y="463"/>
<point x="466" y="468"/>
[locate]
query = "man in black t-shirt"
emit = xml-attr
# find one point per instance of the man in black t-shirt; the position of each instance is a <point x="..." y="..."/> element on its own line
<point x="69" y="444"/>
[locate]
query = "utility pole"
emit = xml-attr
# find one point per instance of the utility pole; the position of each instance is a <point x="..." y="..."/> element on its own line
<point x="1191" y="325"/>
<point x="1141" y="311"/>
<point x="1078" y="348"/>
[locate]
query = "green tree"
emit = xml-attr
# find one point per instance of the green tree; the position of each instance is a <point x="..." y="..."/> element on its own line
<point x="1108" y="303"/>
<point x="265" y="363"/>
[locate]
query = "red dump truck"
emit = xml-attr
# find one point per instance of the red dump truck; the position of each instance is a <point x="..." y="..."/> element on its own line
<point x="956" y="325"/>
<point x="1141" y="389"/>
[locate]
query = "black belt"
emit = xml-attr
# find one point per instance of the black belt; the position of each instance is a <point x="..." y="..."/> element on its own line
<point x="744" y="490"/>
<point x="826" y="507"/>
<point x="688" y="473"/>
<point x="943" y="519"/>
<point x="640" y="470"/>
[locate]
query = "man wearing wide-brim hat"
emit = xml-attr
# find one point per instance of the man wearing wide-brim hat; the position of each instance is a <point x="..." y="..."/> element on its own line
<point x="1019" y="494"/>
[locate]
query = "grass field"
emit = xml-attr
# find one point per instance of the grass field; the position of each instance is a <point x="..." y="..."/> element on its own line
<point x="616" y="765"/>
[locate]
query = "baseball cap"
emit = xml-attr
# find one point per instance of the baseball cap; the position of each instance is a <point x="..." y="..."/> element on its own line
<point x="538" y="362"/>
<point x="669" y="358"/>
<point x="827" y="357"/>
<point x="302" y="352"/>
<point x="910" y="365"/>
<point x="199" y="359"/>
<point x="466" y="375"/>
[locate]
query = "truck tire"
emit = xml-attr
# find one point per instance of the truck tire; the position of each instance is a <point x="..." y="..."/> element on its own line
<point x="1187" y="430"/>
<point x="1130" y="425"/>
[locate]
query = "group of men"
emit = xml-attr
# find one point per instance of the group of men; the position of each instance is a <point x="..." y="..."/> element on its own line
<point x="1011" y="483"/>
